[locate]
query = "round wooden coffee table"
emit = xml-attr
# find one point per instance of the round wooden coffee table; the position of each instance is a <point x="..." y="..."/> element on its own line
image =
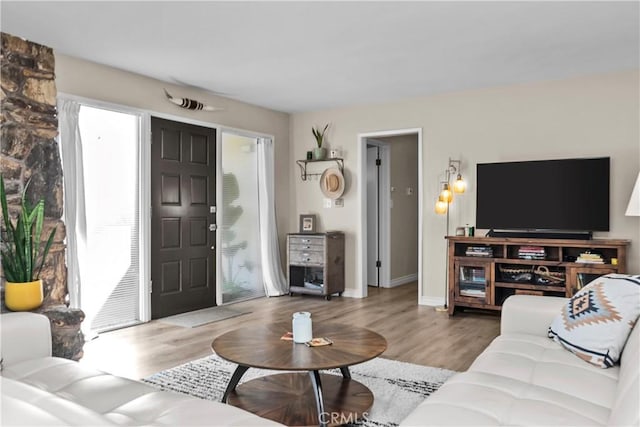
<point x="290" y="398"/>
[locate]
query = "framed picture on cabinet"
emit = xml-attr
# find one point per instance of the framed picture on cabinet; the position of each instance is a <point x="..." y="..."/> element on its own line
<point x="308" y="224"/>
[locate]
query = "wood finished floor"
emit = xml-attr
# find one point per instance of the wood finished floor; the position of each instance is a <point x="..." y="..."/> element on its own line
<point x="414" y="333"/>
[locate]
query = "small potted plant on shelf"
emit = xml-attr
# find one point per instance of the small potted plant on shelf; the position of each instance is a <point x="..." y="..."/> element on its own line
<point x="22" y="253"/>
<point x="319" y="153"/>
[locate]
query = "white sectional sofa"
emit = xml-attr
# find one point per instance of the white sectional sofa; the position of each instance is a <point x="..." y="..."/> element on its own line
<point x="38" y="389"/>
<point x="525" y="378"/>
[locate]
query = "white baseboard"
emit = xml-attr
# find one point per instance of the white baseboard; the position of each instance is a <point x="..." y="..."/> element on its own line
<point x="431" y="301"/>
<point x="349" y="293"/>
<point x="403" y="280"/>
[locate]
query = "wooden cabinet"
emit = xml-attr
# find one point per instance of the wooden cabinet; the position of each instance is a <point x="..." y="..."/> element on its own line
<point x="315" y="263"/>
<point x="472" y="282"/>
<point x="484" y="271"/>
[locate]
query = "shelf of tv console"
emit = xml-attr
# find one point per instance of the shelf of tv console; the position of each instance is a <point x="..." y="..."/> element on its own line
<point x="544" y="242"/>
<point x="505" y="251"/>
<point x="529" y="286"/>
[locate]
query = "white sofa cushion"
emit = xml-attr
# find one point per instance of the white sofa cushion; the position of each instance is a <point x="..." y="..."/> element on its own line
<point x="26" y="405"/>
<point x="99" y="398"/>
<point x="24" y="336"/>
<point x="38" y="389"/>
<point x="476" y="398"/>
<point x="541" y="362"/>
<point x="525" y="378"/>
<point x="595" y="323"/>
<point x="522" y="379"/>
<point x="624" y="411"/>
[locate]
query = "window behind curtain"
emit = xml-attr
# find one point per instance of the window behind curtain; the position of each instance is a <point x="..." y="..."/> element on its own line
<point x="110" y="268"/>
<point x="240" y="232"/>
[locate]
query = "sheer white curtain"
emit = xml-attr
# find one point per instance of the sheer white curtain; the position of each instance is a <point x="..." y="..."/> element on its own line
<point x="274" y="280"/>
<point x="74" y="195"/>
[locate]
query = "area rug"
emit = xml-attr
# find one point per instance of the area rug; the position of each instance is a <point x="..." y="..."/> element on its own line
<point x="397" y="387"/>
<point x="196" y="318"/>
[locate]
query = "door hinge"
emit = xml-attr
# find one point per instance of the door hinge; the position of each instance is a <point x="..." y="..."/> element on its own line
<point x="378" y="264"/>
<point x="150" y="286"/>
<point x="378" y="162"/>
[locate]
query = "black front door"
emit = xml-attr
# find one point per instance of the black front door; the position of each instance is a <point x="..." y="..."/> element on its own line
<point x="182" y="199"/>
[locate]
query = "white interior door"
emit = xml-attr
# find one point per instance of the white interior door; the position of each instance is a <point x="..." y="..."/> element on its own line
<point x="372" y="216"/>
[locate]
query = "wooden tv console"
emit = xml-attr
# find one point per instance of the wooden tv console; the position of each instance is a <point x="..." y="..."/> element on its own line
<point x="484" y="278"/>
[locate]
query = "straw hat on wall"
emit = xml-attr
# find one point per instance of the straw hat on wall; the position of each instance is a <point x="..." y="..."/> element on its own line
<point x="332" y="183"/>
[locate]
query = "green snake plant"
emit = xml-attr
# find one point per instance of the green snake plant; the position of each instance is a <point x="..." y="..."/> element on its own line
<point x="22" y="253"/>
<point x="319" y="135"/>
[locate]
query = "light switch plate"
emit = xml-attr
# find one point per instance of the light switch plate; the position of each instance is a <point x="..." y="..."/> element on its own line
<point x="333" y="203"/>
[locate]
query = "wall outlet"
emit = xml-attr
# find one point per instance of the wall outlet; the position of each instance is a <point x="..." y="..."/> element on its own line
<point x="409" y="191"/>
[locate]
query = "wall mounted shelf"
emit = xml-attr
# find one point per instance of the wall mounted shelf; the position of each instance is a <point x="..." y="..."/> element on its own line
<point x="303" y="166"/>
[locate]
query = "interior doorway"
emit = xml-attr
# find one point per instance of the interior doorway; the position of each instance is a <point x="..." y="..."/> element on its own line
<point x="390" y="247"/>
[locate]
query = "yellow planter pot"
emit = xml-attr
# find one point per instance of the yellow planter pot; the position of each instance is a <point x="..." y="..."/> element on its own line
<point x="23" y="296"/>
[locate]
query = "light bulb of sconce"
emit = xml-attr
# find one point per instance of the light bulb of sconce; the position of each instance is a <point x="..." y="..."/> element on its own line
<point x="441" y="206"/>
<point x="459" y="186"/>
<point x="446" y="193"/>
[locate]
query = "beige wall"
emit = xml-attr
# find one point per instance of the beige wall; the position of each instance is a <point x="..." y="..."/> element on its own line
<point x="87" y="79"/>
<point x="580" y="117"/>
<point x="404" y="212"/>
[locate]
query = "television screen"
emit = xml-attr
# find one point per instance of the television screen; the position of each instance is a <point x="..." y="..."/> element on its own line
<point x="568" y="194"/>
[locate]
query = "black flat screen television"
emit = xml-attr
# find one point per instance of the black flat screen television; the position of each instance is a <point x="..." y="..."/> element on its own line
<point x="567" y="194"/>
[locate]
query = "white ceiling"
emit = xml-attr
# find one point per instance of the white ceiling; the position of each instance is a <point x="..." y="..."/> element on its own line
<point x="306" y="56"/>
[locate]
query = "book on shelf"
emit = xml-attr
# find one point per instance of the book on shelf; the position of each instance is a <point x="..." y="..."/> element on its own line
<point x="485" y="251"/>
<point x="532" y="249"/>
<point x="532" y="252"/>
<point x="535" y="257"/>
<point x="590" y="258"/>
<point x="472" y="274"/>
<point x="473" y="292"/>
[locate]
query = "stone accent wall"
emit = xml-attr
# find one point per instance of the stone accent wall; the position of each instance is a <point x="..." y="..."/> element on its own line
<point x="29" y="153"/>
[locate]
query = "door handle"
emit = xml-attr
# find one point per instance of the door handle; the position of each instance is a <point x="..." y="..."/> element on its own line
<point x="213" y="227"/>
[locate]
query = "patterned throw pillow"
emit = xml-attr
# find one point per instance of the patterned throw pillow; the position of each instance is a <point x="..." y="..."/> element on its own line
<point x="596" y="322"/>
